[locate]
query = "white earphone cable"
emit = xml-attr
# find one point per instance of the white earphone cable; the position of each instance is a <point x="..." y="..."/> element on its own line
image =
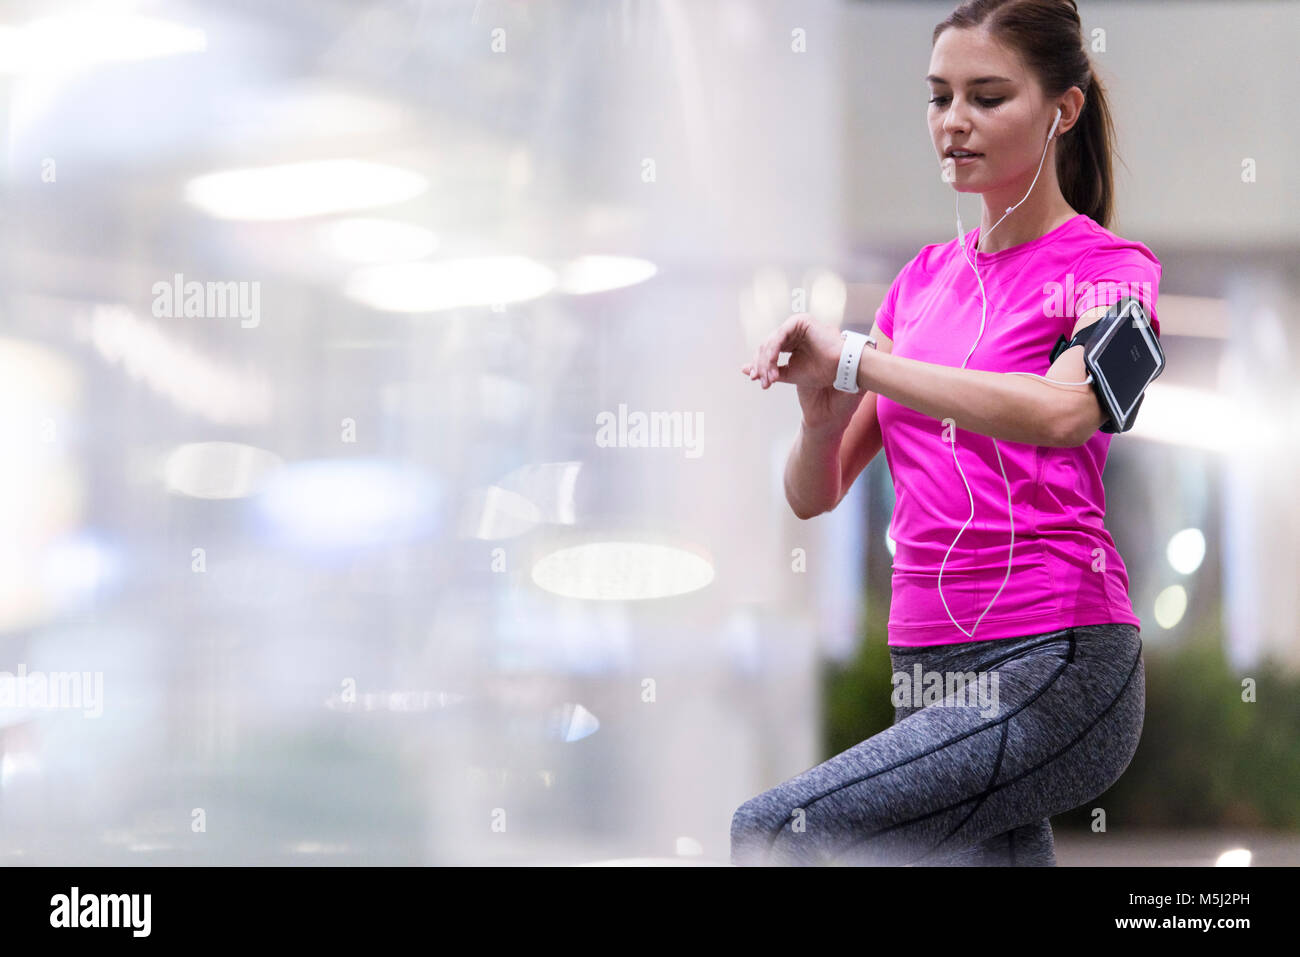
<point x="953" y="436"/>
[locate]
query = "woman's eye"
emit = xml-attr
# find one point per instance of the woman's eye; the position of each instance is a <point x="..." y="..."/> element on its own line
<point x="985" y="102"/>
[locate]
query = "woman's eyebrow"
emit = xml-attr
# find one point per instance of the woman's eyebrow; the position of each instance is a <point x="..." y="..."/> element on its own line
<point x="975" y="82"/>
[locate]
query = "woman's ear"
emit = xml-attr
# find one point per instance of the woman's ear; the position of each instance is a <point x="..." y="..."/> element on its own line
<point x="1070" y="105"/>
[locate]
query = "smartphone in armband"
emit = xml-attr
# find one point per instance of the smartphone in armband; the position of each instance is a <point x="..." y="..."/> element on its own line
<point x="1123" y="355"/>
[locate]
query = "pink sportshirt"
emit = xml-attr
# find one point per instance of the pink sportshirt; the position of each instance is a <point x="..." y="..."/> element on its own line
<point x="1066" y="570"/>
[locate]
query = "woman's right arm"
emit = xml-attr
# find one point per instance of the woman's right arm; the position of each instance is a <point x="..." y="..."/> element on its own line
<point x="826" y="461"/>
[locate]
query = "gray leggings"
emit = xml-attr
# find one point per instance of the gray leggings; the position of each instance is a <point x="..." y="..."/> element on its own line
<point x="966" y="776"/>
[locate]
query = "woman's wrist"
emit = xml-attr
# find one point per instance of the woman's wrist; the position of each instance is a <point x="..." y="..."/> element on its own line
<point x="866" y="366"/>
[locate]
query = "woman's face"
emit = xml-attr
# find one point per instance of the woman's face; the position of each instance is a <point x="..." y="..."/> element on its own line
<point x="1005" y="119"/>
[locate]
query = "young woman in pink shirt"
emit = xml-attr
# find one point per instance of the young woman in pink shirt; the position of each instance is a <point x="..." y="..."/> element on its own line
<point x="1018" y="670"/>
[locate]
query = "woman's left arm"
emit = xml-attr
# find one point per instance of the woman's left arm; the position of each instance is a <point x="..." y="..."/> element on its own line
<point x="1004" y="405"/>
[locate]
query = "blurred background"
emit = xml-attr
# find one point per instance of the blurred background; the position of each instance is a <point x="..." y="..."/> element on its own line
<point x="379" y="485"/>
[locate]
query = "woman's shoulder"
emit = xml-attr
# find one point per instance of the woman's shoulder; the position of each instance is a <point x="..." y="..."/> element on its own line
<point x="1103" y="247"/>
<point x="1109" y="266"/>
<point x="932" y="257"/>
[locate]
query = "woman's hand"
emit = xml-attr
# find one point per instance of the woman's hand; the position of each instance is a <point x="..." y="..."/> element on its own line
<point x="814" y="349"/>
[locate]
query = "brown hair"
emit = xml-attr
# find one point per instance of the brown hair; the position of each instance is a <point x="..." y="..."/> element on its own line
<point x="1049" y="38"/>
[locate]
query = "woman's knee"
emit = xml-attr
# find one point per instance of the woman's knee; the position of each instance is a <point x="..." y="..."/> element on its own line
<point x="770" y="829"/>
<point x="752" y="829"/>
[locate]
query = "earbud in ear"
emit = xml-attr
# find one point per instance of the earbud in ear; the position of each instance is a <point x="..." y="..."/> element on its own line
<point x="1055" y="123"/>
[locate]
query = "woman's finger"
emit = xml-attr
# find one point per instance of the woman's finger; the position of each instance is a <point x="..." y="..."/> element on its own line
<point x="786" y="339"/>
<point x="761" y="360"/>
<point x="772" y="376"/>
<point x="771" y="351"/>
<point x="781" y="373"/>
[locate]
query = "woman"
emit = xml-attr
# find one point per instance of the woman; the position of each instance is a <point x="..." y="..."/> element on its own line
<point x="1005" y="577"/>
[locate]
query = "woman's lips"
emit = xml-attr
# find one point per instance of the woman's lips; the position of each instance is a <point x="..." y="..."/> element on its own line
<point x="966" y="160"/>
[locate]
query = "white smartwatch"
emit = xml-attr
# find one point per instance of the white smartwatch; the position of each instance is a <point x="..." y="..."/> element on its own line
<point x="846" y="380"/>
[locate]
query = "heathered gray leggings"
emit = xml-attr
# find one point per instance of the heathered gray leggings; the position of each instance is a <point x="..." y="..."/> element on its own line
<point x="968" y="779"/>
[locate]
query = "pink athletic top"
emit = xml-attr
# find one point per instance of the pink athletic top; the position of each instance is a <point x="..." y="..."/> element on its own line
<point x="1066" y="569"/>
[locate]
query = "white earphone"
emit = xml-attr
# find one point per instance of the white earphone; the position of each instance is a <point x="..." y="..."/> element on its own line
<point x="961" y="239"/>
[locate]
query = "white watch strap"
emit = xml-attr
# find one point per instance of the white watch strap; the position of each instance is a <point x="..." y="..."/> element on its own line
<point x="846" y="379"/>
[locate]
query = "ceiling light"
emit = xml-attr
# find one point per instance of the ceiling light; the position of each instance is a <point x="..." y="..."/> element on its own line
<point x="63" y="43"/>
<point x="588" y="274"/>
<point x="1237" y="857"/>
<point x="1171" y="605"/>
<point x="217" y="469"/>
<point x="298" y="190"/>
<point x="450" y="284"/>
<point x="621" y="571"/>
<point x="1186" y="550"/>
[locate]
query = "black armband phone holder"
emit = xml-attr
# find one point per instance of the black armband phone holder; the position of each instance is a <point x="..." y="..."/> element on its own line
<point x="1122" y="354"/>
